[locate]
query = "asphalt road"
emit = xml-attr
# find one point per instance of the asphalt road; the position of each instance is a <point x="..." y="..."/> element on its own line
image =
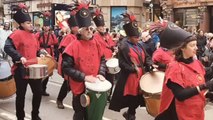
<point x="49" y="110"/>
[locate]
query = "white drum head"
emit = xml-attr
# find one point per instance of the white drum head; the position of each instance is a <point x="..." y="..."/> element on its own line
<point x="113" y="62"/>
<point x="152" y="82"/>
<point x="99" y="86"/>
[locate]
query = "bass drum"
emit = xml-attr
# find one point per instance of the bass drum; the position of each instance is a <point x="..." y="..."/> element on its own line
<point x="151" y="85"/>
<point x="7" y="82"/>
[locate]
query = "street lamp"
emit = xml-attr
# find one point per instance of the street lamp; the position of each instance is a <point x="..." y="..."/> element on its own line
<point x="151" y="7"/>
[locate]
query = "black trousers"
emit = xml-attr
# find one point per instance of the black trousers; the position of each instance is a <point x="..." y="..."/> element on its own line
<point x="21" y="88"/>
<point x="63" y="91"/>
<point x="80" y="112"/>
<point x="44" y="84"/>
<point x="110" y="78"/>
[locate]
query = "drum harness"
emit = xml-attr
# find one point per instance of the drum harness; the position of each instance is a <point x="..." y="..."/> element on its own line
<point x="138" y="52"/>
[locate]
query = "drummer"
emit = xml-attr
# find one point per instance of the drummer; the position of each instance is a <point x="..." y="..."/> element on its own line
<point x="48" y="41"/>
<point x="105" y="39"/>
<point x="72" y="22"/>
<point x="183" y="94"/>
<point x="83" y="60"/>
<point x="132" y="60"/>
<point x="21" y="46"/>
<point x="162" y="57"/>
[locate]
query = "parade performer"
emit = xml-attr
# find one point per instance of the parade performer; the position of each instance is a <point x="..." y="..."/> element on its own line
<point x="83" y="61"/>
<point x="4" y="33"/>
<point x="72" y="22"/>
<point x="183" y="94"/>
<point x="107" y="44"/>
<point x="48" y="41"/>
<point x="133" y="61"/>
<point x="22" y="46"/>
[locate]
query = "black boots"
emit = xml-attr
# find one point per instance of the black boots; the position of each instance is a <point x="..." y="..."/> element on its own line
<point x="60" y="104"/>
<point x="36" y="118"/>
<point x="128" y="116"/>
<point x="44" y="93"/>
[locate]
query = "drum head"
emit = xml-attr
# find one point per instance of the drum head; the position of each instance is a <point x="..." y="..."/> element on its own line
<point x="152" y="82"/>
<point x="113" y="62"/>
<point x="99" y="86"/>
<point x="84" y="100"/>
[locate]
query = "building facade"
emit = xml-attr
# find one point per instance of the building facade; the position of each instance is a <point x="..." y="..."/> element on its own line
<point x="192" y="14"/>
<point x="197" y="14"/>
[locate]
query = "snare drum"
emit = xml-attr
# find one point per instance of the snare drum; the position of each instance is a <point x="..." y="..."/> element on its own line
<point x="113" y="66"/>
<point x="37" y="71"/>
<point x="97" y="96"/>
<point x="50" y="62"/>
<point x="7" y="83"/>
<point x="151" y="84"/>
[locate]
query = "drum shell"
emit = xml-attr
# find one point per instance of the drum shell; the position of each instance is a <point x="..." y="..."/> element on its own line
<point x="151" y="85"/>
<point x="152" y="104"/>
<point x="98" y="101"/>
<point x="97" y="93"/>
<point x="50" y="62"/>
<point x="113" y="66"/>
<point x="7" y="87"/>
<point x="37" y="71"/>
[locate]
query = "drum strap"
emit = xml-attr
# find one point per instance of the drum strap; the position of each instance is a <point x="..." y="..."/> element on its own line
<point x="138" y="52"/>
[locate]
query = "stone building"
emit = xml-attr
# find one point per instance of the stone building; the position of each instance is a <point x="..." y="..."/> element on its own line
<point x="197" y="14"/>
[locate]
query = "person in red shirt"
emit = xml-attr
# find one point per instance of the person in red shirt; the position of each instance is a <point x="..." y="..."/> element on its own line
<point x="105" y="39"/>
<point x="184" y="88"/>
<point x="83" y="60"/>
<point x="162" y="57"/>
<point x="133" y="61"/>
<point x="72" y="22"/>
<point x="22" y="46"/>
<point x="48" y="41"/>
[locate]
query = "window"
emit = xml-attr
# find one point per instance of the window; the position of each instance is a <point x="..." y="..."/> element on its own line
<point x="93" y="2"/>
<point x="116" y="18"/>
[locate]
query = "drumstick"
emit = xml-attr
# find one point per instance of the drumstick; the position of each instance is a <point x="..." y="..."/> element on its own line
<point x="134" y="62"/>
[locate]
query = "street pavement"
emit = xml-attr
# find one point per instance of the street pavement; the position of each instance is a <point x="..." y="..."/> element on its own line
<point x="49" y="110"/>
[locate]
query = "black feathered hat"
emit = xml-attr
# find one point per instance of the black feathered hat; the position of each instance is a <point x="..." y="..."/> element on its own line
<point x="131" y="25"/>
<point x="46" y="18"/>
<point x="21" y="14"/>
<point x="171" y="36"/>
<point x="83" y="15"/>
<point x="98" y="17"/>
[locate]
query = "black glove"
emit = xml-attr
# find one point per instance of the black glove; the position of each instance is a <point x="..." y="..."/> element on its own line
<point x="207" y="85"/>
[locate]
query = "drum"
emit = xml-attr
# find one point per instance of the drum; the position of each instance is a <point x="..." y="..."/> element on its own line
<point x="151" y="85"/>
<point x="37" y="71"/>
<point x="7" y="83"/>
<point x="50" y="62"/>
<point x="95" y="99"/>
<point x="113" y="66"/>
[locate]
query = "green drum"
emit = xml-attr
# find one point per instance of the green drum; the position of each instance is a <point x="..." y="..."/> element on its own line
<point x="95" y="99"/>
